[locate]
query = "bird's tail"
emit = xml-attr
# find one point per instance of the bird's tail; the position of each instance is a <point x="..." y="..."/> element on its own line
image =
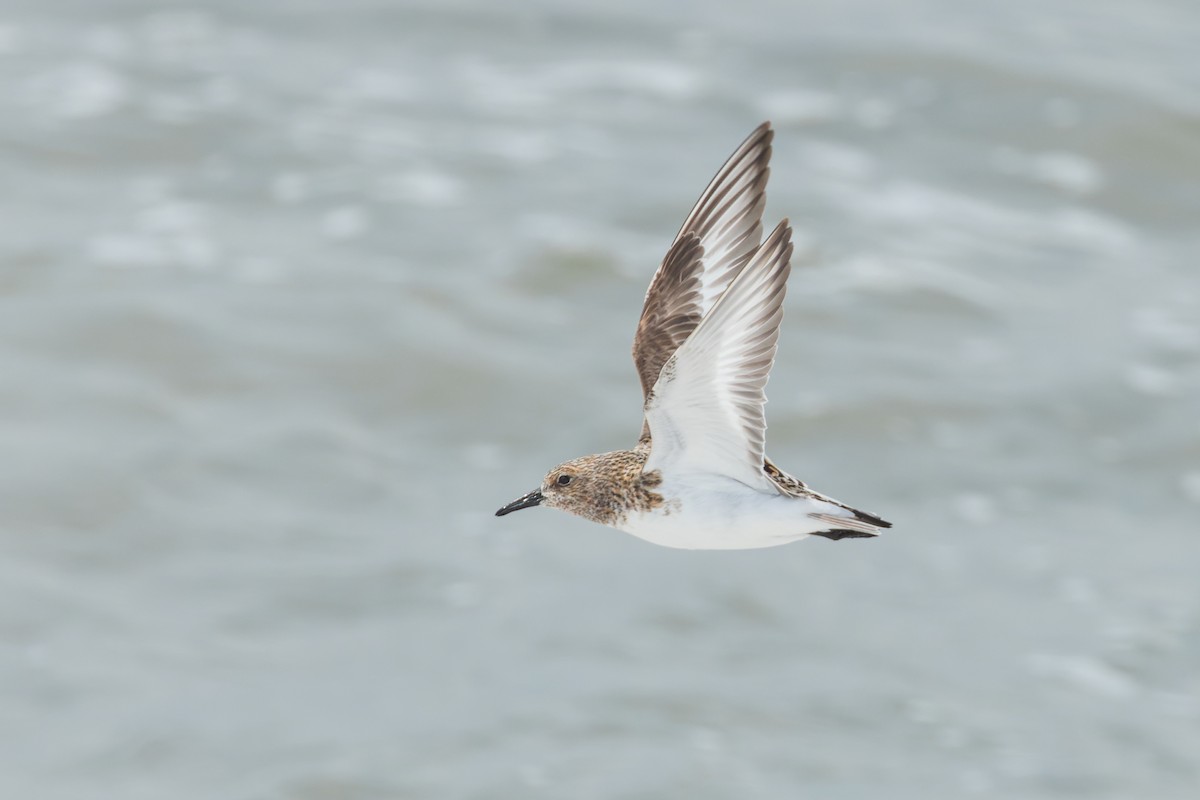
<point x="849" y="523"/>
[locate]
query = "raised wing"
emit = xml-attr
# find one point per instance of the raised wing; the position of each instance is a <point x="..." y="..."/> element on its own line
<point x="705" y="412"/>
<point x="712" y="246"/>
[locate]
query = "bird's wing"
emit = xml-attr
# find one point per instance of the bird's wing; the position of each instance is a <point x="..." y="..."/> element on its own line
<point x="705" y="412"/>
<point x="712" y="246"/>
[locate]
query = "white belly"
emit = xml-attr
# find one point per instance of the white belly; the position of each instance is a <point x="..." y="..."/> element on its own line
<point x="723" y="515"/>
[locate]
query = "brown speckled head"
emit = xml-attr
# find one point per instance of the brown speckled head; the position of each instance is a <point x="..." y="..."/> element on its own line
<point x="603" y="488"/>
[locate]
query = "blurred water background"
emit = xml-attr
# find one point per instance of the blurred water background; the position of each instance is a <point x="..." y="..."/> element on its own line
<point x="293" y="295"/>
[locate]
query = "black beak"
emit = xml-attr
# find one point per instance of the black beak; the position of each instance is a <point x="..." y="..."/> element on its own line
<point x="530" y="500"/>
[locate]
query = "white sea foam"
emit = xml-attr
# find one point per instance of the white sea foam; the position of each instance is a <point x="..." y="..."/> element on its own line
<point x="976" y="508"/>
<point x="1070" y="173"/>
<point x="661" y="79"/>
<point x="1151" y="379"/>
<point x="1160" y="328"/>
<point x="79" y="90"/>
<point x="126" y="250"/>
<point x="800" y="106"/>
<point x="345" y="222"/>
<point x="422" y="187"/>
<point x="1085" y="673"/>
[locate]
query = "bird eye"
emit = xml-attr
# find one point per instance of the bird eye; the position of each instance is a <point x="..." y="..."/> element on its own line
<point x="564" y="479"/>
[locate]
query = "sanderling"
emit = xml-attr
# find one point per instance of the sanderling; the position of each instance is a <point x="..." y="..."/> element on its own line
<point x="698" y="477"/>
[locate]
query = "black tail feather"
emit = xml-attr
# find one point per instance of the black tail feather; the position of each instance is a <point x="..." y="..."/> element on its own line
<point x="871" y="518"/>
<point x="845" y="533"/>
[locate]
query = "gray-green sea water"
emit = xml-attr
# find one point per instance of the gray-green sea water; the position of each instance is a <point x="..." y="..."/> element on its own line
<point x="293" y="295"/>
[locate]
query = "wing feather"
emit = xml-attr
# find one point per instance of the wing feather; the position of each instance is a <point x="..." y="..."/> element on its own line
<point x="727" y="225"/>
<point x="706" y="412"/>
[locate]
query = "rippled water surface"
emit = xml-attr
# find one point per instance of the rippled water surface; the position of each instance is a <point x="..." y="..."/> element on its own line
<point x="293" y="295"/>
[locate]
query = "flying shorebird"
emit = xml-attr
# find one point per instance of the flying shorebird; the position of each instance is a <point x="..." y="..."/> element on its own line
<point x="698" y="477"/>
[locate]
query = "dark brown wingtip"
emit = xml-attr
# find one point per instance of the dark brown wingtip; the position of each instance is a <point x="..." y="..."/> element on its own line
<point x="781" y="232"/>
<point x="766" y="135"/>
